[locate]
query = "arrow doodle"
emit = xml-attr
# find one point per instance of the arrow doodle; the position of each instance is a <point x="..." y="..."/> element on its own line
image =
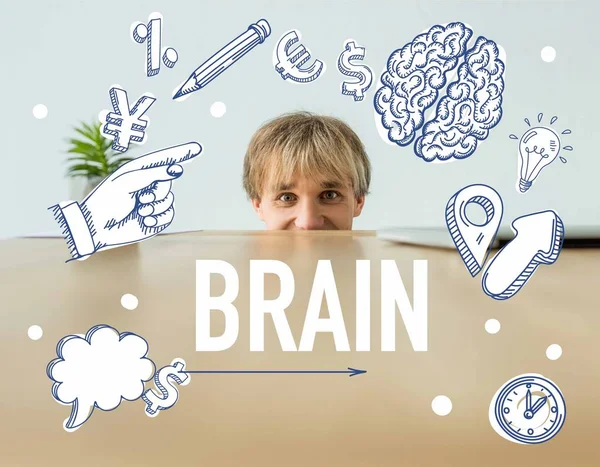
<point x="349" y="371"/>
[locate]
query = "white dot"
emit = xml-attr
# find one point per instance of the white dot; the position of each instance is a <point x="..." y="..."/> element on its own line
<point x="171" y="54"/>
<point x="35" y="332"/>
<point x="441" y="405"/>
<point x="129" y="301"/>
<point x="548" y="54"/>
<point x="40" y="111"/>
<point x="218" y="109"/>
<point x="492" y="326"/>
<point x="554" y="351"/>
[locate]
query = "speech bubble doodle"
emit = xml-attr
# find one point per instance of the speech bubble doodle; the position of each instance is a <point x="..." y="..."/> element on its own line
<point x="98" y="370"/>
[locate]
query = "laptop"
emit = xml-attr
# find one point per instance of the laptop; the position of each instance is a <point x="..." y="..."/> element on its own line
<point x="575" y="236"/>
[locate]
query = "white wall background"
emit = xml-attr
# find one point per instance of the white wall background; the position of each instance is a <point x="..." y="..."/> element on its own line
<point x="67" y="54"/>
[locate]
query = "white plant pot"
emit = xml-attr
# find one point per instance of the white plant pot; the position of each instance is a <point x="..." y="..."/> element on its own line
<point x="80" y="187"/>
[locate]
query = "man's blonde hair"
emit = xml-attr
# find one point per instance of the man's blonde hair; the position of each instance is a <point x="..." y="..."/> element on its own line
<point x="314" y="146"/>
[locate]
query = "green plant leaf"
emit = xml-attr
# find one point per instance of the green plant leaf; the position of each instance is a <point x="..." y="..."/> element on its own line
<point x="113" y="166"/>
<point x="86" y="134"/>
<point x="83" y="160"/>
<point x="89" y="170"/>
<point x="84" y="145"/>
<point x="118" y="157"/>
<point x="93" y="156"/>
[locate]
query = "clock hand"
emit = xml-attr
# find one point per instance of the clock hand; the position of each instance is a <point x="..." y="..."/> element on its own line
<point x="528" y="400"/>
<point x="539" y="404"/>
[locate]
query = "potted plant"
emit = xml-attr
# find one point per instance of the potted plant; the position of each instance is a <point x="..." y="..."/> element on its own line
<point x="93" y="159"/>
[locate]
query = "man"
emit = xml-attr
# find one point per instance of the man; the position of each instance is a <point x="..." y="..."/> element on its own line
<point x="306" y="172"/>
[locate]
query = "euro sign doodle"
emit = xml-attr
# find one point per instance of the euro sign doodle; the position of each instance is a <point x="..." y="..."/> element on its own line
<point x="288" y="63"/>
<point x="124" y="125"/>
<point x="363" y="73"/>
<point x="168" y="392"/>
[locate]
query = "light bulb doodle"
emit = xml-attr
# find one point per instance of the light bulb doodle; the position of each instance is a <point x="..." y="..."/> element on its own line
<point x="538" y="148"/>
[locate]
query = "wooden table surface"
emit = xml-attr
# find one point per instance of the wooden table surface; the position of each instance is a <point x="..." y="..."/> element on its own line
<point x="381" y="418"/>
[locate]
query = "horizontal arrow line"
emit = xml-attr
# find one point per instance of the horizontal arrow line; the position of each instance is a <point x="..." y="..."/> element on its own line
<point x="349" y="371"/>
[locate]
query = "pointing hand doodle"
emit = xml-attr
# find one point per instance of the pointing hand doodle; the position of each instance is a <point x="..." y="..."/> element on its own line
<point x="132" y="204"/>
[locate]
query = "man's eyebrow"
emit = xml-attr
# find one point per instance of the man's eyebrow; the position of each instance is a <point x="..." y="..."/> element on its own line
<point x="331" y="184"/>
<point x="326" y="185"/>
<point x="286" y="186"/>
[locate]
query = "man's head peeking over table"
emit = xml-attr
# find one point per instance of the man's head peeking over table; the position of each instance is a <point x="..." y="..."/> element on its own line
<point x="306" y="172"/>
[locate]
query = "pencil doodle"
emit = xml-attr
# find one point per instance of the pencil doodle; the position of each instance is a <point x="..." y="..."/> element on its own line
<point x="289" y="63"/>
<point x="228" y="55"/>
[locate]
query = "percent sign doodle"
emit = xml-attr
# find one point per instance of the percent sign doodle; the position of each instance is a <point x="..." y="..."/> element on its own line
<point x="152" y="35"/>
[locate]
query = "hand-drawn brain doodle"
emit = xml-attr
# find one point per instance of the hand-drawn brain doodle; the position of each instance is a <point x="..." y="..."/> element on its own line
<point x="413" y="77"/>
<point x="472" y="106"/>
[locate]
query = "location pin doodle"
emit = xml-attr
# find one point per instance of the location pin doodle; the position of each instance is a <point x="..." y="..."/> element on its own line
<point x="473" y="239"/>
<point x="151" y="33"/>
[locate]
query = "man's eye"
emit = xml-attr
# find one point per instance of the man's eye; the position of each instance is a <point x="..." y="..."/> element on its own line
<point x="286" y="197"/>
<point x="329" y="195"/>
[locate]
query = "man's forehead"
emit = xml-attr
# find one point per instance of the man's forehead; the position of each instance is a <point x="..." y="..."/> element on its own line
<point x="324" y="184"/>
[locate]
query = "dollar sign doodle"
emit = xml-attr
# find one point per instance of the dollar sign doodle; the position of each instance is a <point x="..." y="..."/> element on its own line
<point x="362" y="72"/>
<point x="168" y="392"/>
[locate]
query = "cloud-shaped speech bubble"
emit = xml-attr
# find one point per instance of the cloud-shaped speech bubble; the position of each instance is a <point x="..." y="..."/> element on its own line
<point x="98" y="370"/>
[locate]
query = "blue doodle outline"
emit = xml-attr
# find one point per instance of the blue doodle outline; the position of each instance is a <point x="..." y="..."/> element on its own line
<point x="361" y="53"/>
<point x="505" y="391"/>
<point x="537" y="260"/>
<point x="203" y="75"/>
<point x="479" y="132"/>
<point x="470" y="261"/>
<point x="88" y="338"/>
<point x="155" y="230"/>
<point x="294" y="58"/>
<point x="117" y="122"/>
<point x="165" y="392"/>
<point x="384" y="79"/>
